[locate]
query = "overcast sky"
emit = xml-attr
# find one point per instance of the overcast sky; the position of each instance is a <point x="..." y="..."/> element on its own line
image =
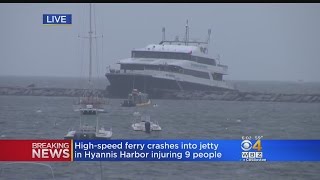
<point x="257" y="41"/>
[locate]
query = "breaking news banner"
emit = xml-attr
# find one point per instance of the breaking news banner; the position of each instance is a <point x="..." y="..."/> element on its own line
<point x="36" y="150"/>
<point x="245" y="150"/>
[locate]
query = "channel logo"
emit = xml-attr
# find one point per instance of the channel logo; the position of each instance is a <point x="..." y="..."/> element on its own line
<point x="246" y="145"/>
<point x="57" y="19"/>
<point x="252" y="152"/>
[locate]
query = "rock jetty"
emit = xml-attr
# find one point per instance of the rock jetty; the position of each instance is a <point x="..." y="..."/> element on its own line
<point x="194" y="95"/>
<point x="245" y="96"/>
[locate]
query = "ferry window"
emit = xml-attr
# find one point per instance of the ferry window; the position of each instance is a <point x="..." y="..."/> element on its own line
<point x="197" y="73"/>
<point x="172" y="55"/>
<point x="217" y="76"/>
<point x="162" y="55"/>
<point x="170" y="69"/>
<point x="152" y="67"/>
<point x="203" y="60"/>
<point x="132" y="67"/>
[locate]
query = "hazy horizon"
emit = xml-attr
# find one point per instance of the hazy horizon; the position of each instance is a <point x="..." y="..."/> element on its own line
<point x="259" y="42"/>
<point x="102" y="76"/>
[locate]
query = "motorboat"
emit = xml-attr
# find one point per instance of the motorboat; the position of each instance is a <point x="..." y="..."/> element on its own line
<point x="136" y="98"/>
<point x="89" y="126"/>
<point x="143" y="123"/>
<point x="90" y="105"/>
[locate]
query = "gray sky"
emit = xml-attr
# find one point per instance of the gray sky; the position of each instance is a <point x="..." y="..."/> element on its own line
<point x="256" y="41"/>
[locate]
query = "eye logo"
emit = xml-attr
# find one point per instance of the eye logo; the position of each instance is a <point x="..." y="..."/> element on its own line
<point x="246" y="145"/>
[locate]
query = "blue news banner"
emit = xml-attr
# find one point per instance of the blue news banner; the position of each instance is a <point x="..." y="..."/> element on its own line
<point x="196" y="150"/>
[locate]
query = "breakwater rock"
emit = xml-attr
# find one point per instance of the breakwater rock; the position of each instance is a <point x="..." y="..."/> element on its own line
<point x="244" y="96"/>
<point x="194" y="95"/>
<point x="32" y="91"/>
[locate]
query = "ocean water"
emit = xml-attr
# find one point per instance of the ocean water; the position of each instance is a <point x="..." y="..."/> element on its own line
<point x="179" y="119"/>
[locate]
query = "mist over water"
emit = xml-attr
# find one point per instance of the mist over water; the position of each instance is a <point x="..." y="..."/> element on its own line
<point x="179" y="119"/>
<point x="256" y="41"/>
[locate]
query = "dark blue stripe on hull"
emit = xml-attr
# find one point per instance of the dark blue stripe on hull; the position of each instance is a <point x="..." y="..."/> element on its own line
<point x="122" y="84"/>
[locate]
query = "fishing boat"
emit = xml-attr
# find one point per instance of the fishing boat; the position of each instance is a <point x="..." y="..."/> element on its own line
<point x="90" y="105"/>
<point x="90" y="95"/>
<point x="144" y="123"/>
<point x="136" y="98"/>
<point x="89" y="126"/>
<point x="98" y="102"/>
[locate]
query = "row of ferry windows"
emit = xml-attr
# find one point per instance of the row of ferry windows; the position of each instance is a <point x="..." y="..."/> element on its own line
<point x="175" y="69"/>
<point x="172" y="55"/>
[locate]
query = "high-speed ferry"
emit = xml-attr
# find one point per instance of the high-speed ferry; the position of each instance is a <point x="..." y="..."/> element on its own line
<point x="176" y="65"/>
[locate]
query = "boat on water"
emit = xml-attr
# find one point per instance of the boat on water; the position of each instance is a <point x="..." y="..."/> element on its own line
<point x="136" y="98"/>
<point x="89" y="126"/>
<point x="90" y="105"/>
<point x="144" y="123"/>
<point x="89" y="97"/>
<point x="171" y="65"/>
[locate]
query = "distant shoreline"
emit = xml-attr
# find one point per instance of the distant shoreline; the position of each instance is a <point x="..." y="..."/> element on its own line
<point x="104" y="78"/>
<point x="185" y="95"/>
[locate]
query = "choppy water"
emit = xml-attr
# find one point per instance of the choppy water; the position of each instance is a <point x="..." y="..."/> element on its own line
<point x="179" y="119"/>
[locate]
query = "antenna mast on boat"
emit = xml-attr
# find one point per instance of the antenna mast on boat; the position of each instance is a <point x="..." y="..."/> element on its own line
<point x="187" y="34"/>
<point x="208" y="40"/>
<point x="163" y="34"/>
<point x="90" y="48"/>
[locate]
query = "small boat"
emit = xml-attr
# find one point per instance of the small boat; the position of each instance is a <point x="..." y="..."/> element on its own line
<point x="89" y="126"/>
<point x="136" y="98"/>
<point x="90" y="94"/>
<point x="92" y="98"/>
<point x="39" y="111"/>
<point x="90" y="105"/>
<point x="143" y="123"/>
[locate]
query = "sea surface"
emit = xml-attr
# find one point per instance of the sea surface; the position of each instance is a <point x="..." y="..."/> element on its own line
<point x="179" y="119"/>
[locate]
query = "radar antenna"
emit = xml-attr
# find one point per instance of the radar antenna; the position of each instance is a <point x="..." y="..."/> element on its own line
<point x="90" y="47"/>
<point x="187" y="34"/>
<point x="163" y="34"/>
<point x="208" y="40"/>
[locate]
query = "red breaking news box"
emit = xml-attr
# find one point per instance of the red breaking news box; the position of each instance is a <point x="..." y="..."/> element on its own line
<point x="36" y="150"/>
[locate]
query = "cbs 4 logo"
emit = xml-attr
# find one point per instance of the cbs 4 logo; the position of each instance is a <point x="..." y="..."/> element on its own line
<point x="246" y="145"/>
